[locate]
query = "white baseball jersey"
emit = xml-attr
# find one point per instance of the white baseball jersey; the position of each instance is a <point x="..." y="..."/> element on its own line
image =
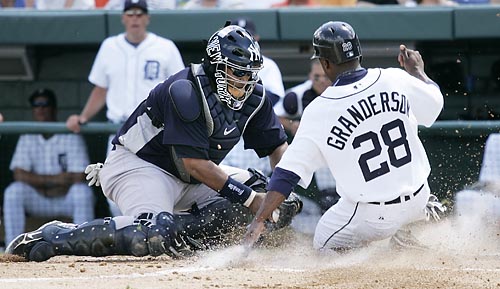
<point x="271" y="77"/>
<point x="299" y="90"/>
<point x="60" y="153"/>
<point x="129" y="72"/>
<point x="366" y="132"/>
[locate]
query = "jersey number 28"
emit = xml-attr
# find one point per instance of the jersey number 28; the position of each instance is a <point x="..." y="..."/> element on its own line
<point x="391" y="145"/>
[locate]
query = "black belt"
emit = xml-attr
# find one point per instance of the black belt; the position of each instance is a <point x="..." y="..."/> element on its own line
<point x="398" y="199"/>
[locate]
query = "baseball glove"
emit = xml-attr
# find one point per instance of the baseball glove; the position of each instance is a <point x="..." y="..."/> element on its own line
<point x="283" y="215"/>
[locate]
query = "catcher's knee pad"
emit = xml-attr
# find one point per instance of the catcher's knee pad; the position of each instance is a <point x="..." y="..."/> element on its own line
<point x="162" y="234"/>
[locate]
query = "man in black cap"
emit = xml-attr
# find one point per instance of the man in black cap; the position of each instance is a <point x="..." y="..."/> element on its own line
<point x="141" y="4"/>
<point x="126" y="68"/>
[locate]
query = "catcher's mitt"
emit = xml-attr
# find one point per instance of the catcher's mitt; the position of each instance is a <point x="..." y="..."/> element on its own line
<point x="283" y="215"/>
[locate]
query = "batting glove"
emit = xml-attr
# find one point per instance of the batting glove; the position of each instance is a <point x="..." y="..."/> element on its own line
<point x="434" y="209"/>
<point x="92" y="172"/>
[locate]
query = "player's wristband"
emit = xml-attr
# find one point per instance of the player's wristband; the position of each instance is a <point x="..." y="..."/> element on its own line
<point x="249" y="201"/>
<point x="237" y="192"/>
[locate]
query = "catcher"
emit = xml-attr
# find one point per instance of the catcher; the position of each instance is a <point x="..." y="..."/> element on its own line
<point x="220" y="223"/>
<point x="165" y="158"/>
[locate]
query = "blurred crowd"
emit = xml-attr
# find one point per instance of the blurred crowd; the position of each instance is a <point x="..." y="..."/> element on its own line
<point x="223" y="4"/>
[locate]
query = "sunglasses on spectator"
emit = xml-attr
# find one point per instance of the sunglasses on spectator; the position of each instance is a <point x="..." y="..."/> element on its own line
<point x="42" y="103"/>
<point x="135" y="12"/>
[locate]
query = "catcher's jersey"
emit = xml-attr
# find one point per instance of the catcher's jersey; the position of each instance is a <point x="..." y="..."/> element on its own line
<point x="366" y="132"/>
<point x="129" y="73"/>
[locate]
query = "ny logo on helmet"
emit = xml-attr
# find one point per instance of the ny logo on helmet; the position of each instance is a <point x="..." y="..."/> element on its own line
<point x="254" y="52"/>
<point x="213" y="51"/>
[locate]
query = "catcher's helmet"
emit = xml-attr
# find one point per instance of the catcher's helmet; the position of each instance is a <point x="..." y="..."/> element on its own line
<point x="233" y="48"/>
<point x="337" y="42"/>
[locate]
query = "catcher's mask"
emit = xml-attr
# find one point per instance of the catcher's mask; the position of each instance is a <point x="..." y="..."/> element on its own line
<point x="233" y="60"/>
<point x="337" y="42"/>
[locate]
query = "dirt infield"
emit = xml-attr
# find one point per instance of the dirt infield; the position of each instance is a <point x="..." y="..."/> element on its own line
<point x="456" y="258"/>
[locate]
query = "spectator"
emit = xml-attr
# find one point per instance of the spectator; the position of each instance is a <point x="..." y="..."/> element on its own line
<point x="1" y="117"/>
<point x="293" y="3"/>
<point x="211" y="4"/>
<point x="260" y="4"/>
<point x="152" y="4"/>
<point x="272" y="81"/>
<point x="13" y="3"/>
<point x="379" y="2"/>
<point x="298" y="97"/>
<point x="61" y="4"/>
<point x="434" y="2"/>
<point x="126" y="68"/>
<point x="146" y="58"/>
<point x="335" y="2"/>
<point x="100" y="4"/>
<point x="48" y="173"/>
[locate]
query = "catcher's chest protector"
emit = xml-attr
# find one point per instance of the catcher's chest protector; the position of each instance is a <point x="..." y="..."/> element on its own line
<point x="225" y="126"/>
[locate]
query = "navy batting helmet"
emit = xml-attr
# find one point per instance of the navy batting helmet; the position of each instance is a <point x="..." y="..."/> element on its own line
<point x="233" y="48"/>
<point x="337" y="42"/>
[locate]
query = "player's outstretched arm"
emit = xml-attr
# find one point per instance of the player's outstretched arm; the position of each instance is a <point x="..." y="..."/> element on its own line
<point x="271" y="202"/>
<point x="412" y="62"/>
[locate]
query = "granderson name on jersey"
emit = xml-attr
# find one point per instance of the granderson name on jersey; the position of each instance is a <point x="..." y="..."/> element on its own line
<point x="364" y="109"/>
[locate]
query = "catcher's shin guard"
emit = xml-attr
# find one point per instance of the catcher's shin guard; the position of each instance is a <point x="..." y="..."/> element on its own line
<point x="97" y="238"/>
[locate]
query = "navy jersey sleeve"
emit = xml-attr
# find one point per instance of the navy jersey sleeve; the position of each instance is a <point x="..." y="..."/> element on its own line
<point x="264" y="132"/>
<point x="178" y="132"/>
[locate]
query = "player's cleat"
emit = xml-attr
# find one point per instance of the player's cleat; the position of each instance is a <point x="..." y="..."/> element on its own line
<point x="32" y="245"/>
<point x="184" y="246"/>
<point x="404" y="239"/>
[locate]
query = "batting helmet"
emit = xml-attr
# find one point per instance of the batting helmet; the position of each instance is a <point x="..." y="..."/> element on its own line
<point x="337" y="42"/>
<point x="233" y="48"/>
